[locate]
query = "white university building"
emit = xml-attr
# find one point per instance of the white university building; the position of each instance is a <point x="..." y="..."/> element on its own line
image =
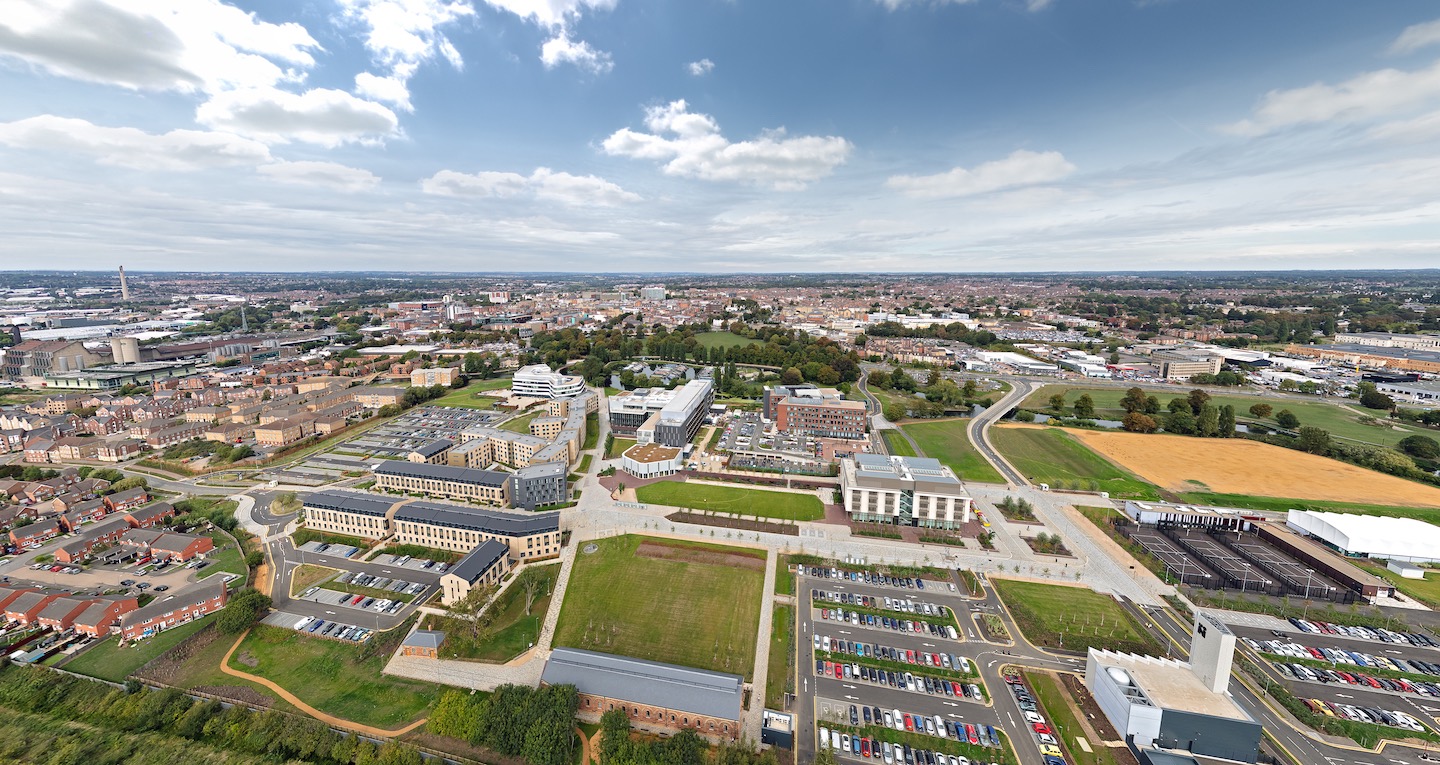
<point x="538" y="381"/>
<point x="906" y="491"/>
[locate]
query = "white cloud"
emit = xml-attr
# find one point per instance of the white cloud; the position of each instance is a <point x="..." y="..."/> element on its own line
<point x="897" y="4"/>
<point x="561" y="49"/>
<point x="1035" y="6"/>
<point x="1365" y="96"/>
<point x="401" y="35"/>
<point x="700" y="68"/>
<point x="329" y="175"/>
<point x="180" y="45"/>
<point x="1021" y="168"/>
<point x="550" y="13"/>
<point x="691" y="145"/>
<point x="320" y="116"/>
<point x="544" y="184"/>
<point x="133" y="148"/>
<point x="1417" y="36"/>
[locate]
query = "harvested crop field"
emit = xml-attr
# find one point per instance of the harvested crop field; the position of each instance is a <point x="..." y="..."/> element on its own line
<point x="1238" y="466"/>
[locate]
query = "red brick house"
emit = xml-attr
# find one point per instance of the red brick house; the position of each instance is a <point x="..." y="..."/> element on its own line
<point x="152" y="515"/>
<point x="28" y="606"/>
<point x="85" y="512"/>
<point x="204" y="598"/>
<point x="61" y="612"/>
<point x="180" y="547"/>
<point x="103" y="615"/>
<point x="121" y="501"/>
<point x="36" y="534"/>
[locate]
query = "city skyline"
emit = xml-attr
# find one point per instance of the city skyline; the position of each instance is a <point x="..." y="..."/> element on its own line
<point x="577" y="136"/>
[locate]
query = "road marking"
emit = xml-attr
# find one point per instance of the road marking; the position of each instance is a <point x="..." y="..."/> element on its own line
<point x="949" y="703"/>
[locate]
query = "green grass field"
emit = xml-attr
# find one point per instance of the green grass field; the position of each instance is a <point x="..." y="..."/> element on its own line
<point x="782" y="656"/>
<point x="1341" y="422"/>
<point x="107" y="661"/>
<point x="513" y="631"/>
<point x="618" y="446"/>
<point x="695" y="614"/>
<point x="1050" y="455"/>
<point x="521" y="424"/>
<point x="1072" y="618"/>
<point x="335" y="677"/>
<point x="468" y="397"/>
<point x="1425" y="590"/>
<point x="592" y="431"/>
<point x="721" y="340"/>
<point x="897" y="444"/>
<point x="733" y="499"/>
<point x="948" y="441"/>
<point x="227" y="561"/>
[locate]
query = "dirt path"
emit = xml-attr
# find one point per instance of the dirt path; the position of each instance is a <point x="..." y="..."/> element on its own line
<point x="585" y="746"/>
<point x="306" y="708"/>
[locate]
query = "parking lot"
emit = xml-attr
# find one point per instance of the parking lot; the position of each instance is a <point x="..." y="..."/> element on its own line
<point x="887" y="646"/>
<point x="417" y="427"/>
<point x="322" y="628"/>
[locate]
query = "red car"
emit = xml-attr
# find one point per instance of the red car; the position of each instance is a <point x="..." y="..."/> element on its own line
<point x="909" y="722"/>
<point x="839" y="671"/>
<point x="1012" y="679"/>
<point x="970" y="734"/>
<point x="864" y="747"/>
<point x="959" y="689"/>
<point x="1041" y="728"/>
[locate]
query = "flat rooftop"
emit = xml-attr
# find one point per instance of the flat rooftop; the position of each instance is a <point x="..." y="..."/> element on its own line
<point x="1171" y="684"/>
<point x="651" y="452"/>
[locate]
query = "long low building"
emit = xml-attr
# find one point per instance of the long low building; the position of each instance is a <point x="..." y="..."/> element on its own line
<point x="489" y="486"/>
<point x="904" y="491"/>
<point x="1370" y="536"/>
<point x="656" y="697"/>
<point x="484" y="566"/>
<point x="441" y="525"/>
<point x="173" y="610"/>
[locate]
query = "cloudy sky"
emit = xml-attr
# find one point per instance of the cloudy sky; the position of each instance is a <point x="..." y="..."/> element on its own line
<point x="719" y="135"/>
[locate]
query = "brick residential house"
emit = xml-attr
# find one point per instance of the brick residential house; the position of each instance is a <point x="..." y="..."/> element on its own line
<point x="204" y="598"/>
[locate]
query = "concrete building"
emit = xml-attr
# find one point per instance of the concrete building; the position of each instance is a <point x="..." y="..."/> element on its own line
<point x="538" y="485"/>
<point x="38" y="358"/>
<point x="434" y="376"/>
<point x="1173" y="712"/>
<point x="652" y="460"/>
<point x="1182" y="364"/>
<point x="538" y="381"/>
<point x="484" y="566"/>
<point x="658" y="698"/>
<point x="488" y="486"/>
<point x="666" y="417"/>
<point x="906" y="491"/>
<point x="654" y="292"/>
<point x="1390" y="340"/>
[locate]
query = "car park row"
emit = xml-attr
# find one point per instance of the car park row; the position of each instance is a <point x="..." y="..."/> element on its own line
<point x="870" y="747"/>
<point x="901" y="605"/>
<point x="1374" y="715"/>
<point x="886" y="622"/>
<point x="867" y="577"/>
<point x="332" y="629"/>
<point x="1380" y="634"/>
<point x="1039" y="727"/>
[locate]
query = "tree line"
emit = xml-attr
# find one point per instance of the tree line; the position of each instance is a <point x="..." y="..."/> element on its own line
<point x="537" y="724"/>
<point x="139" y="725"/>
<point x="684" y="748"/>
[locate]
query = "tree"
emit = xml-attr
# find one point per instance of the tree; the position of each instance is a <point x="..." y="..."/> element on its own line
<point x="1181" y="421"/>
<point x="1424" y="447"/>
<point x="531" y="585"/>
<point x="825" y="756"/>
<point x="243" y="608"/>
<point x="1057" y="401"/>
<point x="1180" y="405"/>
<point x="1136" y="422"/>
<point x="1134" y="400"/>
<point x="130" y="482"/>
<point x="969" y="389"/>
<point x="1152" y="405"/>
<point x="932" y="379"/>
<point x="1198" y="400"/>
<point x="894" y="411"/>
<point x="254" y="558"/>
<point x="1261" y="410"/>
<point x="1373" y="399"/>
<point x="1085" y="406"/>
<point x="1227" y="422"/>
<point x="791" y="376"/>
<point x="1287" y="419"/>
<point x="615" y="733"/>
<point x="1207" y="422"/>
<point x="1313" y="440"/>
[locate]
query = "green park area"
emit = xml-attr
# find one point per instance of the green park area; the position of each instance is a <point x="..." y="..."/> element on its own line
<point x="107" y="661"/>
<point x="508" y="627"/>
<point x="897" y="444"/>
<point x="619" y="446"/>
<point x="1054" y="457"/>
<point x="949" y="442"/>
<point x="521" y="424"/>
<point x="338" y="678"/>
<point x="1072" y="618"/>
<point x="469" y="396"/>
<point x="721" y="340"/>
<point x="687" y="603"/>
<point x="784" y="505"/>
<point x="1341" y="420"/>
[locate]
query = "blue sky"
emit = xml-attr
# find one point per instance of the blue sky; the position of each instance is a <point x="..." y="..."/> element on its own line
<point x="719" y="135"/>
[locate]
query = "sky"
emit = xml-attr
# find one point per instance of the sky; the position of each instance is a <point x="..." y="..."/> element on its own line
<point x="719" y="135"/>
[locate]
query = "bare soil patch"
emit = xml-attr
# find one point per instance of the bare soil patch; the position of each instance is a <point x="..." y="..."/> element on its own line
<point x="248" y="659"/>
<point x="731" y="522"/>
<point x="1239" y="466"/>
<point x="663" y="551"/>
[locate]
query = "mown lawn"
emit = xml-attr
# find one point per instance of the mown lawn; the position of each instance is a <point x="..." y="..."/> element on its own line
<point x="469" y="396"/>
<point x="1321" y="414"/>
<point x="521" y="424"/>
<point x="512" y="631"/>
<point x="733" y="499"/>
<point x="108" y="661"/>
<point x="782" y="656"/>
<point x="1072" y="618"/>
<point x="897" y="444"/>
<point x="721" y="340"/>
<point x="695" y="614"/>
<point x="948" y="441"/>
<point x="1052" y="456"/>
<point x="342" y="679"/>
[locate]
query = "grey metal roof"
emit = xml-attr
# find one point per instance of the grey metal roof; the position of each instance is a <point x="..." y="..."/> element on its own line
<point x="425" y="639"/>
<point x="541" y="470"/>
<point x="478" y="561"/>
<point x="433" y="448"/>
<point x="683" y="689"/>
<point x="350" y="502"/>
<point x="492" y="478"/>
<point x="151" y="511"/>
<point x="207" y="589"/>
<point x="478" y="519"/>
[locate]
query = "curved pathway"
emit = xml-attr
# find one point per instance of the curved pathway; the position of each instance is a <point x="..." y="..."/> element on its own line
<point x="306" y="708"/>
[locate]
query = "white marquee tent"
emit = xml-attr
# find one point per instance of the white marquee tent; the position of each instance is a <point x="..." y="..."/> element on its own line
<point x="1401" y="539"/>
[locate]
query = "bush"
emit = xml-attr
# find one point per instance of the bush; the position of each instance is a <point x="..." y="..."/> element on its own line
<point x="243" y="610"/>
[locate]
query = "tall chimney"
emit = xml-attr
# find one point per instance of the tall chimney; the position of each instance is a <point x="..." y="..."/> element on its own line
<point x="124" y="286"/>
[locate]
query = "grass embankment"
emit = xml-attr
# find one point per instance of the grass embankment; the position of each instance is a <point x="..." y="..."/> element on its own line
<point x="511" y="631"/>
<point x="697" y="607"/>
<point x="783" y="505"/>
<point x="1425" y="590"/>
<point x="1072" y="618"/>
<point x="108" y="661"/>
<point x="226" y="558"/>
<point x="341" y="679"/>
<point x="307" y="575"/>
<point x="469" y="396"/>
<point x="949" y="442"/>
<point x="782" y="657"/>
<point x="521" y="424"/>
<point x="897" y="444"/>
<point x="1052" y="456"/>
<point x="1054" y="699"/>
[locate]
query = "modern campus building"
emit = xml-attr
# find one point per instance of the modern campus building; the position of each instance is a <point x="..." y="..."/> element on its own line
<point x="652" y="460"/>
<point x="1182" y="363"/>
<point x="442" y="525"/>
<point x="538" y="381"/>
<point x="906" y="491"/>
<point x="658" y="698"/>
<point x="665" y="417"/>
<point x="484" y="566"/>
<point x="489" y="486"/>
<point x="538" y="485"/>
<point x="1172" y="712"/>
<point x="821" y="416"/>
